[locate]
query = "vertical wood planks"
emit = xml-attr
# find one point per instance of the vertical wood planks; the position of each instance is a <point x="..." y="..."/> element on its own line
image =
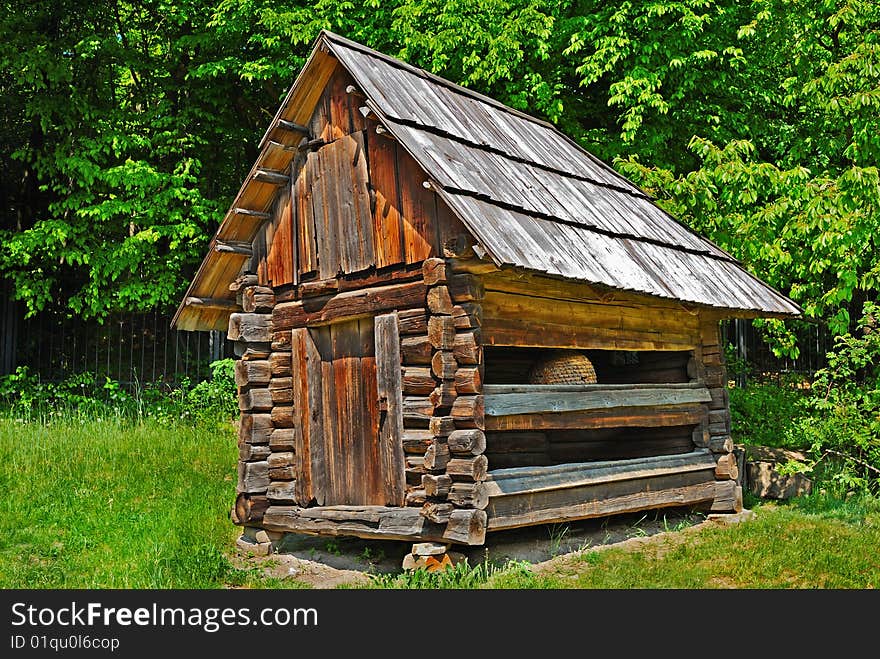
<point x="418" y="210"/>
<point x="305" y="219"/>
<point x="308" y="406"/>
<point x="387" y="230"/>
<point x="390" y="397"/>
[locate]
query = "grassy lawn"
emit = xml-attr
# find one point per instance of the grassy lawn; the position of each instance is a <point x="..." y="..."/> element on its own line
<point x="109" y="504"/>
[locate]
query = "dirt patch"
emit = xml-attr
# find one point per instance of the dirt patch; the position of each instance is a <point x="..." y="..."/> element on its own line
<point x="333" y="562"/>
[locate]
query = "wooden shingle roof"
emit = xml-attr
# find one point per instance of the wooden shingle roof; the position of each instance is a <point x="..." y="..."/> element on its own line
<point x="530" y="195"/>
<point x="536" y="200"/>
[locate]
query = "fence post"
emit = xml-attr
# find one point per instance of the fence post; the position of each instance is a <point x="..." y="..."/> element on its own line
<point x="741" y="352"/>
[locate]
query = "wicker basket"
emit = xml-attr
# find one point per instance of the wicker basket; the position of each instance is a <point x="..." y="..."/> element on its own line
<point x="563" y="367"/>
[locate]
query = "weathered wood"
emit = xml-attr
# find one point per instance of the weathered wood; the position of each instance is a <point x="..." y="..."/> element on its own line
<point x="467" y="469"/>
<point x="415" y="350"/>
<point x="468" y="315"/>
<point x="250" y="327"/>
<point x="700" y="436"/>
<point x="434" y="271"/>
<point x="441" y="426"/>
<point x="516" y="442"/>
<point x="281" y="396"/>
<point x="468" y="412"/>
<point x="283" y="439"/>
<point x="569" y="505"/>
<point x="270" y="176"/>
<point x="720" y="444"/>
<point x="308" y="409"/>
<point x="417" y="411"/>
<point x="719" y="419"/>
<point x="285" y="473"/>
<point x="253" y="452"/>
<point x="233" y="247"/>
<point x="440" y="301"/>
<point x="413" y="321"/>
<point x="436" y="485"/>
<point x="249" y="279"/>
<point x="254" y="400"/>
<point x="348" y="305"/>
<point x="281" y="341"/>
<point x="466" y="527"/>
<point x="720" y="398"/>
<point x="520" y="480"/>
<point x="726" y="468"/>
<point x="641" y="417"/>
<point x="418" y="381"/>
<point x="443" y="365"/>
<point x="219" y="304"/>
<point x="437" y="512"/>
<point x="281" y="459"/>
<point x="728" y="498"/>
<point x="253" y="477"/>
<point x="415" y="496"/>
<point x="252" y="373"/>
<point x="280" y="383"/>
<point x="258" y="299"/>
<point x="468" y="495"/>
<point x="443" y="395"/>
<point x="467" y="442"/>
<point x="466" y="288"/>
<point x="416" y="442"/>
<point x="436" y="456"/>
<point x="282" y="416"/>
<point x="466" y="348"/>
<point x="249" y="508"/>
<point x="248" y="352"/>
<point x="255" y="428"/>
<point x="468" y="381"/>
<point x="294" y="127"/>
<point x="441" y="332"/>
<point x="375" y="522"/>
<point x="497" y="405"/>
<point x="282" y="492"/>
<point x="525" y="332"/>
<point x="390" y="392"/>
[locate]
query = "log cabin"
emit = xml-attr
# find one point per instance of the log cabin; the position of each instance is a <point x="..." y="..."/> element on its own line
<point x="450" y="319"/>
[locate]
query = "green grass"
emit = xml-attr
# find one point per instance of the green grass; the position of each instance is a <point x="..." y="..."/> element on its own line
<point x="814" y="542"/>
<point x="115" y="504"/>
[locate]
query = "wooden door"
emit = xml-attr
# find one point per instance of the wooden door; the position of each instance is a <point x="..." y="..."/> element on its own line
<point x="341" y="450"/>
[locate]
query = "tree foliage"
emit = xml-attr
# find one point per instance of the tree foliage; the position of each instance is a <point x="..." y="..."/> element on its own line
<point x="128" y="126"/>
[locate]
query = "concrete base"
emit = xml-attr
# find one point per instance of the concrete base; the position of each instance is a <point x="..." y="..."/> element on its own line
<point x="258" y="542"/>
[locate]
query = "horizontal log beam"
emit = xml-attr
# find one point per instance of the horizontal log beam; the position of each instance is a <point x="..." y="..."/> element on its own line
<point x="518" y="480"/>
<point x="640" y="417"/>
<point x="348" y="305"/>
<point x="271" y="176"/>
<point x="571" y="401"/>
<point x="633" y="502"/>
<point x="293" y="127"/>
<point x="377" y="522"/>
<point x="260" y="215"/>
<point x="212" y="303"/>
<point x="234" y="247"/>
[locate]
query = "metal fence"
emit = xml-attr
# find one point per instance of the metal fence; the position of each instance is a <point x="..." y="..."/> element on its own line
<point x="748" y="348"/>
<point x="134" y="349"/>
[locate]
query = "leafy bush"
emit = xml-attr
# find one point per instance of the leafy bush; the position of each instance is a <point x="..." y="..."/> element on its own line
<point x="842" y="421"/>
<point x="763" y="414"/>
<point x="82" y="396"/>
